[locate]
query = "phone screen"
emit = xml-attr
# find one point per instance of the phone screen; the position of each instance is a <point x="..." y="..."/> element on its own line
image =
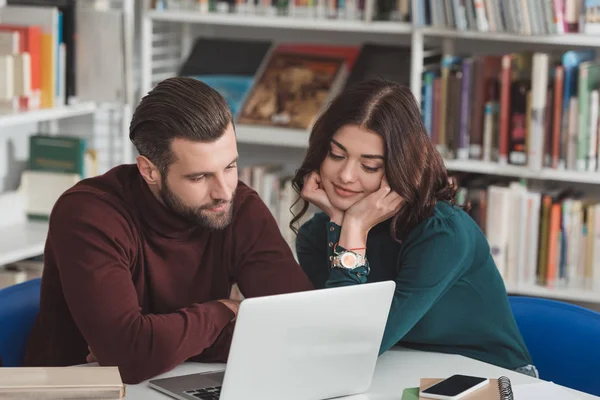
<point x="454" y="385"/>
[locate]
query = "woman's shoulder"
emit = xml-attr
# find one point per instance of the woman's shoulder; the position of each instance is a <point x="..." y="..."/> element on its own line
<point x="316" y="223"/>
<point x="447" y="219"/>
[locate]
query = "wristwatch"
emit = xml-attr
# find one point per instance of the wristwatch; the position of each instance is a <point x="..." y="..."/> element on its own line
<point x="347" y="259"/>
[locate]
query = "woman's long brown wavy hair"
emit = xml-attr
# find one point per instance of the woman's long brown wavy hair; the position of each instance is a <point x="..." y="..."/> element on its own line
<point x="413" y="167"/>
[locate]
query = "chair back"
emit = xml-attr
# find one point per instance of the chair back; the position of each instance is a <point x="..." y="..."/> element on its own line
<point x="563" y="340"/>
<point x="19" y="305"/>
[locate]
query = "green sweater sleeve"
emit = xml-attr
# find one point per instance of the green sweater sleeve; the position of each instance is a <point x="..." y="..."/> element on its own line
<point x="430" y="263"/>
<point x="315" y="250"/>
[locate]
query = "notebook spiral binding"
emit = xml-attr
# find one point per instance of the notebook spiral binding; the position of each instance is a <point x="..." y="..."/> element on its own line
<point x="505" y="388"/>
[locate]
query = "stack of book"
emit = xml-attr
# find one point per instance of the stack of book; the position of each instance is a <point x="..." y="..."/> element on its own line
<point x="49" y="383"/>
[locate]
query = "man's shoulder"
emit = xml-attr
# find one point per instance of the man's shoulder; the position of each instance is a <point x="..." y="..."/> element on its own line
<point x="247" y="203"/>
<point x="109" y="189"/>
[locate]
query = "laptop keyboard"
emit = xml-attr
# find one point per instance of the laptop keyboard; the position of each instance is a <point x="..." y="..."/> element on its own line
<point x="210" y="393"/>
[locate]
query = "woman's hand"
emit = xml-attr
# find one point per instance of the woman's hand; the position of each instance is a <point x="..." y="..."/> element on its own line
<point x="373" y="209"/>
<point x="314" y="193"/>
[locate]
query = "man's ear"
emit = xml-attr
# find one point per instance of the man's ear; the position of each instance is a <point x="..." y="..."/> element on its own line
<point x="148" y="170"/>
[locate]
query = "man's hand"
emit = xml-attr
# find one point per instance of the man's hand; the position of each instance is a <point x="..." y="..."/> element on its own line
<point x="90" y="357"/>
<point x="233" y="305"/>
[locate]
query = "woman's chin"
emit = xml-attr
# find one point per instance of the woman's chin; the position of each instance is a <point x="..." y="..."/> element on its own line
<point x="342" y="204"/>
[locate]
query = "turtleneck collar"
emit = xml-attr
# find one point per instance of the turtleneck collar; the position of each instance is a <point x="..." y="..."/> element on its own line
<point x="158" y="217"/>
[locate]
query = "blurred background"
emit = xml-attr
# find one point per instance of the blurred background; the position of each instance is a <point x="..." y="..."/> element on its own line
<point x="509" y="92"/>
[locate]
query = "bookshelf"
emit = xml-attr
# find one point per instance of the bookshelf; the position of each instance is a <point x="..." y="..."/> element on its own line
<point x="168" y="32"/>
<point x="103" y="123"/>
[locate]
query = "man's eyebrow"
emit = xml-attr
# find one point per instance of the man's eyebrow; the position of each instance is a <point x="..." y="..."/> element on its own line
<point x="198" y="174"/>
<point x="369" y="156"/>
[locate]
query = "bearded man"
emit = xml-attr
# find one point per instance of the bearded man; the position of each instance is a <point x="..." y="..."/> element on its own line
<point x="140" y="261"/>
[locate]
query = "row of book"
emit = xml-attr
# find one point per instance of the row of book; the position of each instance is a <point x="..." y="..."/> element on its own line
<point x="45" y="56"/>
<point x="32" y="58"/>
<point x="538" y="237"/>
<point x="526" y="17"/>
<point x="532" y="109"/>
<point x="385" y="10"/>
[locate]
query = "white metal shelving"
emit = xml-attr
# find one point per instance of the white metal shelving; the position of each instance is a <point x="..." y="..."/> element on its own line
<point x="578" y="295"/>
<point x="562" y="40"/>
<point x="154" y="70"/>
<point x="22" y="240"/>
<point x="281" y="22"/>
<point x="46" y="114"/>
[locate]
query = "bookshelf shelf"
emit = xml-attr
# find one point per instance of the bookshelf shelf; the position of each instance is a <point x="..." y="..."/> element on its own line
<point x="493" y="168"/>
<point x="580" y="295"/>
<point x="562" y="40"/>
<point x="279" y="22"/>
<point x="22" y="240"/>
<point x="272" y="136"/>
<point x="49" y="114"/>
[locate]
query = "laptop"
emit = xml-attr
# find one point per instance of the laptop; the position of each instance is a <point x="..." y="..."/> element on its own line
<point x="316" y="345"/>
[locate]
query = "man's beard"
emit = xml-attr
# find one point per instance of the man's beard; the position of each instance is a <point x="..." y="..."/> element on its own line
<point x="197" y="215"/>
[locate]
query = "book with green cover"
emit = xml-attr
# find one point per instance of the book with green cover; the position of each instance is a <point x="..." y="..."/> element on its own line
<point x="57" y="154"/>
<point x="410" y="394"/>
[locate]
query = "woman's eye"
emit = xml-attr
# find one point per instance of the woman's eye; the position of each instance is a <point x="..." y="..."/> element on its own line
<point x="371" y="169"/>
<point x="335" y="156"/>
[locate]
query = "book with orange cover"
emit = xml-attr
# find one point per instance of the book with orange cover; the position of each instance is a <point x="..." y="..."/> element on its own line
<point x="30" y="42"/>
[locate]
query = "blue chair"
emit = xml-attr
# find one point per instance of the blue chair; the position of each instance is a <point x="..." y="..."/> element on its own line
<point x="563" y="339"/>
<point x="19" y="305"/>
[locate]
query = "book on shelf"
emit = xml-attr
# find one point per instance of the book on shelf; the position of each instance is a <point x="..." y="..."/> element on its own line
<point x="274" y="186"/>
<point x="232" y="72"/>
<point x="533" y="109"/>
<point x="546" y="238"/>
<point x="539" y="17"/>
<point x="55" y="164"/>
<point x="292" y="89"/>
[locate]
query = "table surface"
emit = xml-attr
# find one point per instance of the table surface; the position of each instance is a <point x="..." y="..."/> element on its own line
<point x="396" y="370"/>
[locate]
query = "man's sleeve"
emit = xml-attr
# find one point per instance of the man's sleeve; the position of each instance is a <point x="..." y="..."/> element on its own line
<point x="94" y="256"/>
<point x="265" y="264"/>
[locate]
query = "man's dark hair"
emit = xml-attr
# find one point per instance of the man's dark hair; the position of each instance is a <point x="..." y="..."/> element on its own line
<point x="177" y="107"/>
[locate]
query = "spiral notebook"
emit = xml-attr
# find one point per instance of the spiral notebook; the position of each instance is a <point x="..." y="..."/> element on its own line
<point x="496" y="389"/>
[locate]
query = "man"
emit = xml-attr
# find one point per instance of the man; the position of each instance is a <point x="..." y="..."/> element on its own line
<point x="139" y="262"/>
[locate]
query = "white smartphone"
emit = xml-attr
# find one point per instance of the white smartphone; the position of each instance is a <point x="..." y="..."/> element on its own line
<point x="455" y="387"/>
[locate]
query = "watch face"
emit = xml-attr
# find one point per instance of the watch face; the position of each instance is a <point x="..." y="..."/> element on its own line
<point x="348" y="260"/>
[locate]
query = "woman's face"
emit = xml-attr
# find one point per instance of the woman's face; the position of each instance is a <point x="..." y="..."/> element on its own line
<point x="354" y="166"/>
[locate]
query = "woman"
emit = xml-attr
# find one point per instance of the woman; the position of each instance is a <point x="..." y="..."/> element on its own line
<point x="389" y="214"/>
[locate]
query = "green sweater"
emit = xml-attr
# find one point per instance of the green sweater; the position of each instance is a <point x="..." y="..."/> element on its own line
<point x="449" y="294"/>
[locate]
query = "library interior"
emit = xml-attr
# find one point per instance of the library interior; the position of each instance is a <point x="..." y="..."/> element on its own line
<point x="507" y="94"/>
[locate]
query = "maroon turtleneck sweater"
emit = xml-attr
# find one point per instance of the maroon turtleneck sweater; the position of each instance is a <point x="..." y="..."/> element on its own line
<point x="138" y="285"/>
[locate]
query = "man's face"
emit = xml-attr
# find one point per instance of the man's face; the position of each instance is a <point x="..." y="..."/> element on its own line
<point x="200" y="185"/>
